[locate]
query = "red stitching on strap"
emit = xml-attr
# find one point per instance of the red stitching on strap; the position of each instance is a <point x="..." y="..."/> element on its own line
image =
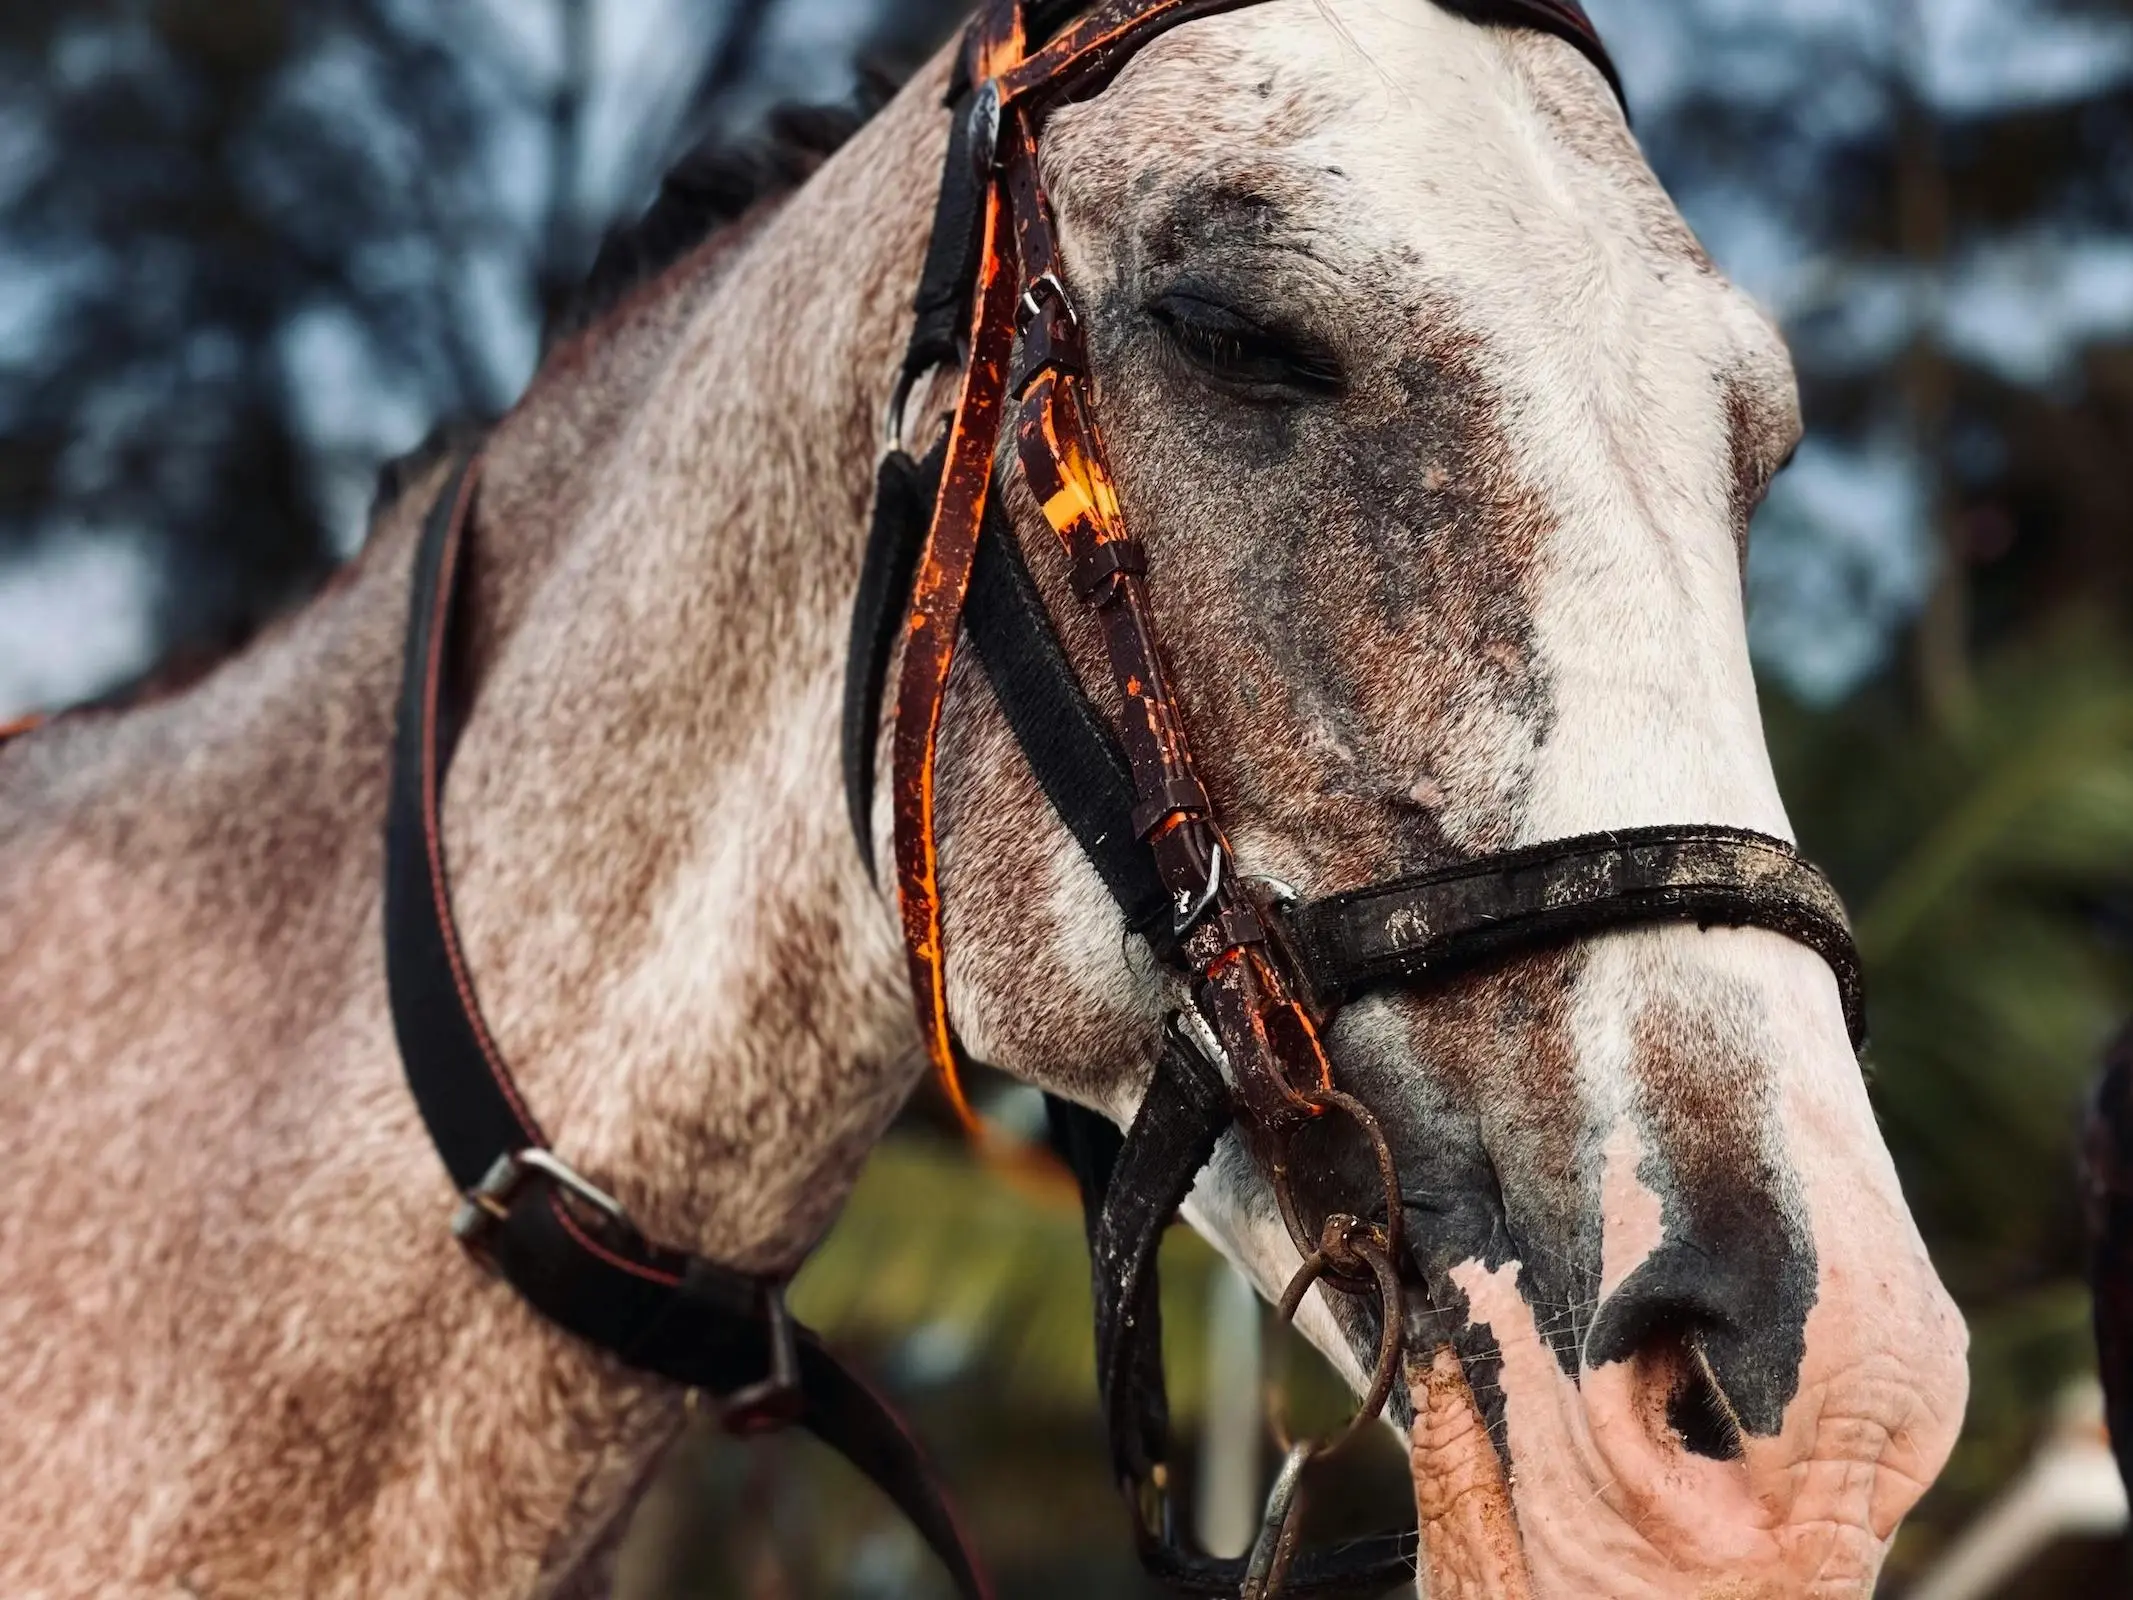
<point x="432" y="829"/>
<point x="592" y="1246"/>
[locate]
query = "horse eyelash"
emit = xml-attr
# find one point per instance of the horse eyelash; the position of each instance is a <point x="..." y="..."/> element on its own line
<point x="1233" y="355"/>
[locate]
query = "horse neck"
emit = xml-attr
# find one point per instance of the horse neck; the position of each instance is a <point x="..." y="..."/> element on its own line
<point x="671" y="937"/>
<point x="671" y="933"/>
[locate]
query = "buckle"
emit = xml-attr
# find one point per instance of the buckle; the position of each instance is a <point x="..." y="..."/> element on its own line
<point x="1045" y="290"/>
<point x="489" y="1201"/>
<point x="777" y="1401"/>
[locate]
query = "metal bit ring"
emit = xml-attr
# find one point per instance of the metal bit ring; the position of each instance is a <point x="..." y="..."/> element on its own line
<point x="1346" y="1271"/>
<point x="1362" y="1240"/>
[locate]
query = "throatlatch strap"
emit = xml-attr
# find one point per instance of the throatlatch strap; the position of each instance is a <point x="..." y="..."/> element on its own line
<point x="1066" y="741"/>
<point x="1435" y="923"/>
<point x="663" y="1311"/>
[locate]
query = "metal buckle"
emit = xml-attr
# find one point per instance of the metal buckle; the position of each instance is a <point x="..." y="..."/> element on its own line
<point x="892" y="420"/>
<point x="1032" y="307"/>
<point x="778" y="1400"/>
<point x="1185" y="910"/>
<point x="489" y="1201"/>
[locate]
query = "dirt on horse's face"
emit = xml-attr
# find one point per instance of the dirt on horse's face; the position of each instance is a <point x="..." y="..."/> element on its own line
<point x="1443" y="435"/>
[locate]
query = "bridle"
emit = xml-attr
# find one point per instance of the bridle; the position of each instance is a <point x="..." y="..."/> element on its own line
<point x="1266" y="973"/>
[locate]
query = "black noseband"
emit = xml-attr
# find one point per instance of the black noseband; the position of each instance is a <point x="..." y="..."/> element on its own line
<point x="1433" y="924"/>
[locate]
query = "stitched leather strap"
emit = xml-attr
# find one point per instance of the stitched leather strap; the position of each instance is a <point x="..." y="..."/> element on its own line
<point x="663" y="1311"/>
<point x="1424" y="927"/>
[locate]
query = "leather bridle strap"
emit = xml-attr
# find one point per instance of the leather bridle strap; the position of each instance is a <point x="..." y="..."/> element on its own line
<point x="563" y="1244"/>
<point x="1183" y="1116"/>
<point x="995" y="253"/>
<point x="1433" y="924"/>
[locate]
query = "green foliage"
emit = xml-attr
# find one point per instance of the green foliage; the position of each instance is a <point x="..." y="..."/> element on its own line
<point x="975" y="1268"/>
<point x="1988" y="866"/>
<point x="957" y="1265"/>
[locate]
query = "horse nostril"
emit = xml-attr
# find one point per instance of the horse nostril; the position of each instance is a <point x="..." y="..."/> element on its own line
<point x="1714" y="1342"/>
<point x="1678" y="1395"/>
<point x="1697" y="1409"/>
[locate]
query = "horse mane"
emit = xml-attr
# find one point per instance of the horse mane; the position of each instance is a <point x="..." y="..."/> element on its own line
<point x="710" y="186"/>
<point x="715" y="182"/>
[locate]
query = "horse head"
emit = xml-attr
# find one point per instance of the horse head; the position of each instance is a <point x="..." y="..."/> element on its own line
<point x="1442" y="436"/>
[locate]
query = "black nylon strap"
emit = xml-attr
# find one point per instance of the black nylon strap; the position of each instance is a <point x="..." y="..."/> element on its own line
<point x="1066" y="741"/>
<point x="662" y="1311"/>
<point x="904" y="491"/>
<point x="1423" y="927"/>
<point x="946" y="281"/>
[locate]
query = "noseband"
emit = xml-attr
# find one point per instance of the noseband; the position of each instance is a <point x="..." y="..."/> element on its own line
<point x="1266" y="974"/>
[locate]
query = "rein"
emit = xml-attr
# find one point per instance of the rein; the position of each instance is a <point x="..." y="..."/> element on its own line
<point x="567" y="1247"/>
<point x="1267" y="974"/>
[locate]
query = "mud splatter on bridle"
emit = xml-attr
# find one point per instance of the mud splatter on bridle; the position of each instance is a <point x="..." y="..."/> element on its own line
<point x="1266" y="974"/>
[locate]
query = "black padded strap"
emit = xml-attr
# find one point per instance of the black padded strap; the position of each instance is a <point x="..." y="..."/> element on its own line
<point x="946" y="281"/>
<point x="904" y="491"/>
<point x="1067" y="742"/>
<point x="1065" y="739"/>
<point x="551" y="1237"/>
<point x="1424" y="927"/>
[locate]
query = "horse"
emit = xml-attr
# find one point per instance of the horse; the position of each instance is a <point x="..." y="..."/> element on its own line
<point x="1445" y="434"/>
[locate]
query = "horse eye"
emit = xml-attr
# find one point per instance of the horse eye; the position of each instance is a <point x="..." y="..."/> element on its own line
<point x="1231" y="348"/>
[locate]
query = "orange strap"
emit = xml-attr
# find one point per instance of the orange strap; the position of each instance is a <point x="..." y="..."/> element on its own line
<point x="942" y="585"/>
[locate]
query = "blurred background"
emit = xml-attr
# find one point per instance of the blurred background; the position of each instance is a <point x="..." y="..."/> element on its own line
<point x="252" y="249"/>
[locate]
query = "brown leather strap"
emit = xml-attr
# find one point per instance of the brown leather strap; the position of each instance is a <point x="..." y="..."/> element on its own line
<point x="1088" y="53"/>
<point x="942" y="585"/>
